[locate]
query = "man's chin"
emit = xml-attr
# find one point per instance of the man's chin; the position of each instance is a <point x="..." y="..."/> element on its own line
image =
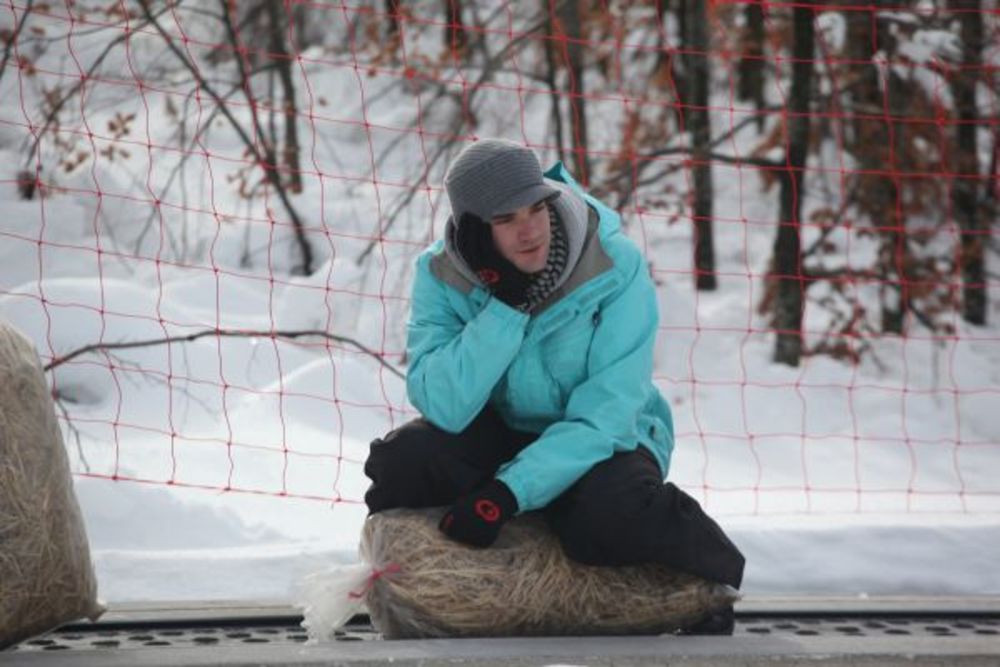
<point x="530" y="267"/>
<point x="532" y="264"/>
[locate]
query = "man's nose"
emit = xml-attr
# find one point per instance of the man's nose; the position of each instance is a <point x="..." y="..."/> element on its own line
<point x="525" y="226"/>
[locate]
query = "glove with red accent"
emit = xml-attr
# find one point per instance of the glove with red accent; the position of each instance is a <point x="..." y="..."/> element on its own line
<point x="477" y="518"/>
<point x="504" y="280"/>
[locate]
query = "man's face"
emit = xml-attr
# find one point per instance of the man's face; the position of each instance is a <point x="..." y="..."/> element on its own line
<point x="523" y="237"/>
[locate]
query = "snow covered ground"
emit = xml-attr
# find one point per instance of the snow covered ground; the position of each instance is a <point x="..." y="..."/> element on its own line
<point x="228" y="467"/>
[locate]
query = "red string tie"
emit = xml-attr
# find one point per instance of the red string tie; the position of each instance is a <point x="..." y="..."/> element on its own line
<point x="376" y="574"/>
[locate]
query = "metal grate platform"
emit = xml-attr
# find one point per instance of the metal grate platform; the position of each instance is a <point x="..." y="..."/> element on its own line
<point x="840" y="632"/>
<point x="217" y="633"/>
<point x="275" y="632"/>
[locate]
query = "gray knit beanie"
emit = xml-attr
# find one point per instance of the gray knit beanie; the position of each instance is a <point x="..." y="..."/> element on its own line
<point x="494" y="177"/>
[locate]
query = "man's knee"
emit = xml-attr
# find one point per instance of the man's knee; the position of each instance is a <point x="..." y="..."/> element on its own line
<point x="395" y="466"/>
<point x="391" y="456"/>
<point x="598" y="519"/>
<point x="418" y="465"/>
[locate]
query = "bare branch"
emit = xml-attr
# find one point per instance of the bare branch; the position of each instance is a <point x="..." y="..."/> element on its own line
<point x="270" y="159"/>
<point x="74" y="431"/>
<point x="488" y="68"/>
<point x="753" y="161"/>
<point x="270" y="168"/>
<point x="153" y="379"/>
<point x="835" y="224"/>
<point x="222" y="333"/>
<point x="283" y="63"/>
<point x="186" y="154"/>
<point x="840" y="274"/>
<point x="645" y="160"/>
<point x="13" y="38"/>
<point x="57" y="107"/>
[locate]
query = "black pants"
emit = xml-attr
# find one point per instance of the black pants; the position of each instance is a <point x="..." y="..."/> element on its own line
<point x="619" y="513"/>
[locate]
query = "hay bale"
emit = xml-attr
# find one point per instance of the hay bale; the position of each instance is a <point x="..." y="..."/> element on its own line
<point x="46" y="578"/>
<point x="522" y="586"/>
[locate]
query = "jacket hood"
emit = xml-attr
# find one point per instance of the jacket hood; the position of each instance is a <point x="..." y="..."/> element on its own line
<point x="569" y="207"/>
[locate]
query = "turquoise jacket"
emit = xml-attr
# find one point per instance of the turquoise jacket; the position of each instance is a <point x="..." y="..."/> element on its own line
<point x="577" y="369"/>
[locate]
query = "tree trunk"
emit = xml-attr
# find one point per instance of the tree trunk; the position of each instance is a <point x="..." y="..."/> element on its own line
<point x="681" y="63"/>
<point x="966" y="188"/>
<point x="993" y="182"/>
<point x="573" y="29"/>
<point x="392" y="18"/>
<point x="455" y="37"/>
<point x="661" y="35"/>
<point x="283" y="64"/>
<point x="669" y="60"/>
<point x="699" y="125"/>
<point x="551" y="78"/>
<point x="751" y="67"/>
<point x="862" y="81"/>
<point x="894" y="251"/>
<point x="874" y="139"/>
<point x="787" y="244"/>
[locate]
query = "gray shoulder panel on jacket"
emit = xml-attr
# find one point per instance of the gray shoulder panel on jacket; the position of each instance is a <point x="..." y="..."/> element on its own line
<point x="445" y="271"/>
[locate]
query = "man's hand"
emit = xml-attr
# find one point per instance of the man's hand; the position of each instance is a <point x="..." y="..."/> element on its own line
<point x="477" y="518"/>
<point x="504" y="280"/>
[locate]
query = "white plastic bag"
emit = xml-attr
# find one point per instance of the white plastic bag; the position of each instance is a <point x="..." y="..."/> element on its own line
<point x="331" y="597"/>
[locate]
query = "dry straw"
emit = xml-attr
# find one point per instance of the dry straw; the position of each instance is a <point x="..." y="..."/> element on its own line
<point x="522" y="586"/>
<point x="46" y="577"/>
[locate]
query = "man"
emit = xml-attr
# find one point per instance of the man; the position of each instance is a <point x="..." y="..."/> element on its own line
<point x="530" y="347"/>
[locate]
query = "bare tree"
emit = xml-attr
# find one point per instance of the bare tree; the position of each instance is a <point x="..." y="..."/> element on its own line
<point x="11" y="40"/>
<point x="875" y="102"/>
<point x="551" y="80"/>
<point x="965" y="190"/>
<point x="571" y="34"/>
<point x="894" y="252"/>
<point x="264" y="153"/>
<point x="751" y="67"/>
<point x="392" y="19"/>
<point x="788" y="304"/>
<point x="278" y="30"/>
<point x="699" y="125"/>
<point x="681" y="76"/>
<point x="222" y="333"/>
<point x="455" y="37"/>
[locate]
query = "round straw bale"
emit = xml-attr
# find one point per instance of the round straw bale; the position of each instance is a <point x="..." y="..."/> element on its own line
<point x="46" y="577"/>
<point x="521" y="586"/>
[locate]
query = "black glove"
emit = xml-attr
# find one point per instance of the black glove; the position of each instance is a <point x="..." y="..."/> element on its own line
<point x="379" y="495"/>
<point x="477" y="518"/>
<point x="475" y="243"/>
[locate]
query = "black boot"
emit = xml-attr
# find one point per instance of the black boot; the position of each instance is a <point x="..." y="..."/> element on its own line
<point x="691" y="541"/>
<point x="721" y="622"/>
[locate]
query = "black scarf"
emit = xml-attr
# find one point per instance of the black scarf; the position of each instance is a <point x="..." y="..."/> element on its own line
<point x="544" y="281"/>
